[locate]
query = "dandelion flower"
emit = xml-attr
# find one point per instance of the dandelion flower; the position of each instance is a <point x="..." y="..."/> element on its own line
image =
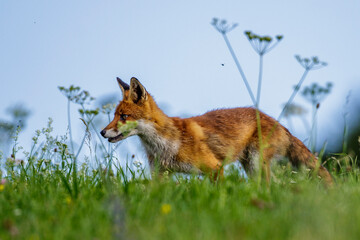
<point x="165" y="209"/>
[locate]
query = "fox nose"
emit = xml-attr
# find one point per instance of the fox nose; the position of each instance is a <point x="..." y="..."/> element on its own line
<point x="103" y="132"/>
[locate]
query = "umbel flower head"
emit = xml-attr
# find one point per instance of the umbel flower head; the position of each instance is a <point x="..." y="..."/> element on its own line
<point x="312" y="63"/>
<point x="316" y="93"/>
<point x="89" y="112"/>
<point x="107" y="109"/>
<point x="76" y="95"/>
<point x="262" y="44"/>
<point x="222" y="25"/>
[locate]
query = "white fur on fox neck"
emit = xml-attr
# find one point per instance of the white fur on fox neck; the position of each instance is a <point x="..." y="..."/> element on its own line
<point x="160" y="149"/>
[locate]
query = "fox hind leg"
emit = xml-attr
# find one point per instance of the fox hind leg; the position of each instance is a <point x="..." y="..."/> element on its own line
<point x="251" y="162"/>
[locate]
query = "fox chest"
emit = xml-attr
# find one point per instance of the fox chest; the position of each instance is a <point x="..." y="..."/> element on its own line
<point x="164" y="154"/>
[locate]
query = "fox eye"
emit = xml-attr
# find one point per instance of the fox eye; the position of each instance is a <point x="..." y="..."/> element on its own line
<point x="123" y="117"/>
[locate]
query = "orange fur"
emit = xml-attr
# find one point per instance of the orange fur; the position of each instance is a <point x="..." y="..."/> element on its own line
<point x="204" y="142"/>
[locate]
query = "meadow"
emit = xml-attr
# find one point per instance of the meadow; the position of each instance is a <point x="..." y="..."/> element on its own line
<point x="51" y="191"/>
<point x="43" y="199"/>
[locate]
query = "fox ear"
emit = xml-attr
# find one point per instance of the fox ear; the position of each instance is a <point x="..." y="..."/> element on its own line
<point x="137" y="91"/>
<point x="123" y="86"/>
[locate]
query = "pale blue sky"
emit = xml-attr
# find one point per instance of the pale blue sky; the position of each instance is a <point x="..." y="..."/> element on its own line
<point x="173" y="50"/>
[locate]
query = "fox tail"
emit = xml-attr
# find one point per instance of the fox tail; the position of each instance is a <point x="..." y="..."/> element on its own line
<point x="299" y="154"/>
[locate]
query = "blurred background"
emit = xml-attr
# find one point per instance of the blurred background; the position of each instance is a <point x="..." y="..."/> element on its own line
<point x="172" y="48"/>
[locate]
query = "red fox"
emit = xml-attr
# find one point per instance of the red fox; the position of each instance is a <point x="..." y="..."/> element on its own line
<point x="204" y="142"/>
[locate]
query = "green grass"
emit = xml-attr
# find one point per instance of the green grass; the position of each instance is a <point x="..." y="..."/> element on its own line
<point x="37" y="203"/>
<point x="42" y="197"/>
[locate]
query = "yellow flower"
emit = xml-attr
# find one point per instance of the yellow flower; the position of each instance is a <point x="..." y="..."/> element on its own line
<point x="165" y="209"/>
<point x="2" y="187"/>
<point x="68" y="200"/>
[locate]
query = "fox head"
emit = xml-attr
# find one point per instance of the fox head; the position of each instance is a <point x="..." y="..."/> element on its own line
<point x="131" y="113"/>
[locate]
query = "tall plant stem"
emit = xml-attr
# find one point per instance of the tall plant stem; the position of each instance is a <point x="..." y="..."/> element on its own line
<point x="262" y="166"/>
<point x="74" y="170"/>
<point x="110" y="152"/>
<point x="260" y="80"/>
<point x="75" y="180"/>
<point x="261" y="158"/>
<point x="296" y="90"/>
<point x="345" y="134"/>
<point x="306" y="124"/>
<point x="239" y="68"/>
<point x="313" y="129"/>
<point x="69" y="125"/>
<point x="98" y="135"/>
<point x="84" y="138"/>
